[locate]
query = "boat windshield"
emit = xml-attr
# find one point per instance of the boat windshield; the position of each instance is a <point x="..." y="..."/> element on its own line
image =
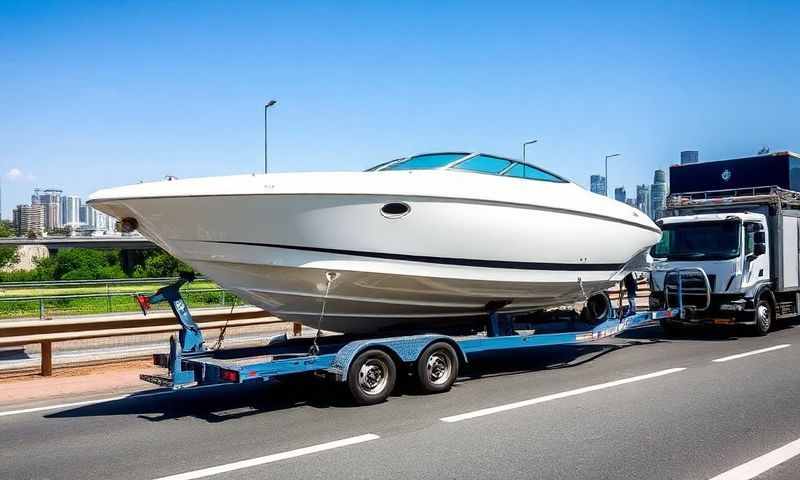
<point x="428" y="161"/>
<point x="479" y="163"/>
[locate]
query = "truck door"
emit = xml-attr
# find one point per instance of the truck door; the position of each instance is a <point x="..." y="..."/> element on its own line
<point x="756" y="266"/>
<point x="789" y="277"/>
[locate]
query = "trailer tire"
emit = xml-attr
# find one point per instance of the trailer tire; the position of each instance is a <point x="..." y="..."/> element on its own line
<point x="371" y="377"/>
<point x="597" y="309"/>
<point x="763" y="315"/>
<point x="437" y="368"/>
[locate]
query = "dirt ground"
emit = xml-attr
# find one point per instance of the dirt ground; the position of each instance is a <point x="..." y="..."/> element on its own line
<point x="106" y="379"/>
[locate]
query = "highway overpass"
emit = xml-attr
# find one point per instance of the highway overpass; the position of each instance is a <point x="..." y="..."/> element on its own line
<point x="56" y="243"/>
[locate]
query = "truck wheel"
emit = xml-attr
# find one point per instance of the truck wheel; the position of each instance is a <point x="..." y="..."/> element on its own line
<point x="437" y="368"/>
<point x="763" y="316"/>
<point x="371" y="377"/>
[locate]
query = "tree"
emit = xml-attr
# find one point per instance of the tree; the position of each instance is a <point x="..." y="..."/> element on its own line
<point x="8" y="255"/>
<point x="160" y="264"/>
<point x="83" y="264"/>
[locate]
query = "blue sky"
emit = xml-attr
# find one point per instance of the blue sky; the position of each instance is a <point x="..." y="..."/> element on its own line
<point x="96" y="94"/>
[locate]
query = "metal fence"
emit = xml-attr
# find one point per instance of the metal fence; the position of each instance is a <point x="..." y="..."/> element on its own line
<point x="97" y="297"/>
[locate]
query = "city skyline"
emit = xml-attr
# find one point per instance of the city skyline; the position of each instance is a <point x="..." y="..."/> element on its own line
<point x="51" y="210"/>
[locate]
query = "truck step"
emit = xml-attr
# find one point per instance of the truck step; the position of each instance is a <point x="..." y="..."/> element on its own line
<point x="785" y="309"/>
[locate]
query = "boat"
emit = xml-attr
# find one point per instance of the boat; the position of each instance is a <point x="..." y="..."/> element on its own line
<point x="422" y="241"/>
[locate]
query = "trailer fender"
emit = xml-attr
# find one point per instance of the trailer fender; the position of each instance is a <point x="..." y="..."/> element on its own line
<point x="401" y="349"/>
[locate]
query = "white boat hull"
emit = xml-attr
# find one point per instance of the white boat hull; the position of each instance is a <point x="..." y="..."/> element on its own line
<point x="442" y="262"/>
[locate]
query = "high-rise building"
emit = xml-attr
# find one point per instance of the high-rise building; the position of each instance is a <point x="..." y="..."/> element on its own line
<point x="99" y="221"/>
<point x="70" y="210"/>
<point x="643" y="198"/>
<point x="619" y="194"/>
<point x="29" y="218"/>
<point x="690" y="156"/>
<point x="631" y="202"/>
<point x="51" y="202"/>
<point x="82" y="218"/>
<point x="658" y="194"/>
<point x="597" y="184"/>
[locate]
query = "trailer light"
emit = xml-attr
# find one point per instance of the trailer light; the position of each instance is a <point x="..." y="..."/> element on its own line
<point x="230" y="376"/>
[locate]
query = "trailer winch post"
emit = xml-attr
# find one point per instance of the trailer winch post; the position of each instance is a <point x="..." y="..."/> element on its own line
<point x="190" y="336"/>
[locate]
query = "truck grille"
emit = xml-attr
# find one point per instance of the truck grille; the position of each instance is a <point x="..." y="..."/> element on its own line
<point x="695" y="292"/>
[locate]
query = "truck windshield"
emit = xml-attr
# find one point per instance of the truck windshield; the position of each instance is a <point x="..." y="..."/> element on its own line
<point x="698" y="240"/>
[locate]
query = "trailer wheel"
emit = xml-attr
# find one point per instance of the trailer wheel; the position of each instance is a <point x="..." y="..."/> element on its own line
<point x="371" y="377"/>
<point x="437" y="368"/>
<point x="762" y="315"/>
<point x="597" y="308"/>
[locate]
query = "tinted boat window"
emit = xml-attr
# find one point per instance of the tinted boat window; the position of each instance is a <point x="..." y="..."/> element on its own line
<point x="484" y="164"/>
<point x="426" y="162"/>
<point x="526" y="171"/>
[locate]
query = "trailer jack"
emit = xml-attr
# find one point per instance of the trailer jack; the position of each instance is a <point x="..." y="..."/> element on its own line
<point x="190" y="338"/>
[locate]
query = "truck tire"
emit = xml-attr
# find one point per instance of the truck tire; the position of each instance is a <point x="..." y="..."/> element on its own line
<point x="763" y="315"/>
<point x="371" y="377"/>
<point x="437" y="368"/>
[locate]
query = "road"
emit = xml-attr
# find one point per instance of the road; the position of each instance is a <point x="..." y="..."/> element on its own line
<point x="635" y="407"/>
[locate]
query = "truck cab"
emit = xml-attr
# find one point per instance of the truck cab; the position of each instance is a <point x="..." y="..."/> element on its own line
<point x="729" y="249"/>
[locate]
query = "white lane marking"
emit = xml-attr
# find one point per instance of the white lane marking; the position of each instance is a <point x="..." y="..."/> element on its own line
<point x="556" y="396"/>
<point x="754" y="352"/>
<point x="63" y="405"/>
<point x="83" y="402"/>
<point x="759" y="465"/>
<point x="132" y="396"/>
<point x="207" y="472"/>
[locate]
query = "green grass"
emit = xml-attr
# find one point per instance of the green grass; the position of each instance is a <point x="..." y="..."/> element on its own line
<point x="28" y="304"/>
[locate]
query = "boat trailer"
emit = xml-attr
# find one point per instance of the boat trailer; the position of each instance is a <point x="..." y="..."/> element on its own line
<point x="368" y="365"/>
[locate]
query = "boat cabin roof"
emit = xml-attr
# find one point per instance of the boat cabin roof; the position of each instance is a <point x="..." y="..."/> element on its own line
<point x="470" y="162"/>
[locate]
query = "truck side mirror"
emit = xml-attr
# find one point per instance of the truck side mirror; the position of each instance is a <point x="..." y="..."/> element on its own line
<point x="760" y="237"/>
<point x="759" y="249"/>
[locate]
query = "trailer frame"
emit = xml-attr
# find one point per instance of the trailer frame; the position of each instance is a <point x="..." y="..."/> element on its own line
<point x="189" y="363"/>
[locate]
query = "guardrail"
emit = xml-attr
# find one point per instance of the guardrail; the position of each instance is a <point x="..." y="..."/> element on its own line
<point x="46" y="332"/>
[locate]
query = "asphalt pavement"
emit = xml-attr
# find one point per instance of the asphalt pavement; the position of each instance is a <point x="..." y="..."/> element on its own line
<point x="637" y="406"/>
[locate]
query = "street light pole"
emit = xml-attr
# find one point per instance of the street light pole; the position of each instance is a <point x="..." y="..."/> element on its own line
<point x="606" y="177"/>
<point x="524" y="156"/>
<point x="266" y="107"/>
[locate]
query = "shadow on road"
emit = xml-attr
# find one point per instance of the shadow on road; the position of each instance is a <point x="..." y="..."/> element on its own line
<point x="226" y="402"/>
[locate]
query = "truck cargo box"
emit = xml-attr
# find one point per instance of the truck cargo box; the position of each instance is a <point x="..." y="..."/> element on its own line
<point x="780" y="169"/>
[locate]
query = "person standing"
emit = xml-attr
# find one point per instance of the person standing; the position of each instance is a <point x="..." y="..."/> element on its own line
<point x="630" y="286"/>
